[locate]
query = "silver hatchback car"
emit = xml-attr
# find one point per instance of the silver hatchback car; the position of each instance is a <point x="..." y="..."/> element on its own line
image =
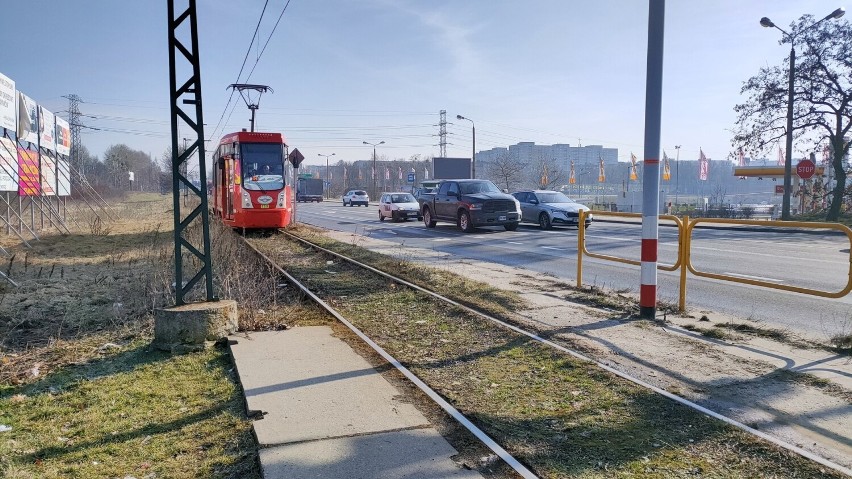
<point x="549" y="208"/>
<point x="356" y="197"/>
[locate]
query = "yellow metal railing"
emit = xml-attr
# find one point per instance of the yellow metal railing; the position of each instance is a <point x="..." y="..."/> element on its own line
<point x="684" y="256"/>
<point x="766" y="284"/>
<point x="581" y="242"/>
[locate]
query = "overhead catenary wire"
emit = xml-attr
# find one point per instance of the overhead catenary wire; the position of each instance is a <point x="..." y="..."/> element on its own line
<point x="245" y="59"/>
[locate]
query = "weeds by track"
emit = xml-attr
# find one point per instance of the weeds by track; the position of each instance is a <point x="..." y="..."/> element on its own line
<point x="559" y="415"/>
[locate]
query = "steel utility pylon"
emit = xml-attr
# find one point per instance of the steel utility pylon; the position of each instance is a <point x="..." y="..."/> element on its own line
<point x="442" y="133"/>
<point x="188" y="92"/>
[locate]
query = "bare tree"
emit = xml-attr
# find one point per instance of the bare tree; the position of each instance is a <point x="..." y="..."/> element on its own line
<point x="822" y="98"/>
<point x="546" y="173"/>
<point x="506" y="171"/>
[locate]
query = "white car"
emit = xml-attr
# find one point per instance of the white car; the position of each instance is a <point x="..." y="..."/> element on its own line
<point x="399" y="206"/>
<point x="356" y="197"/>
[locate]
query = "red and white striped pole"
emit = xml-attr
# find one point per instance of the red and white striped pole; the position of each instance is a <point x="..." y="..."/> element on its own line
<point x="651" y="173"/>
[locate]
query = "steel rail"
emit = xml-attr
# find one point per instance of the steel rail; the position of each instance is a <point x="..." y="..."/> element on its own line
<point x="732" y="422"/>
<point x="479" y="433"/>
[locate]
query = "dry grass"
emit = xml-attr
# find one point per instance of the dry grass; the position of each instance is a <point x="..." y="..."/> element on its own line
<point x="80" y="386"/>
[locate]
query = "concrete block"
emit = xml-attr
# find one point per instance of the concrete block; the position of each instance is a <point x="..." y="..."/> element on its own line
<point x="188" y="327"/>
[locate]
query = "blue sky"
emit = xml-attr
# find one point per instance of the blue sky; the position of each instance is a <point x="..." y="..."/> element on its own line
<point x="343" y="72"/>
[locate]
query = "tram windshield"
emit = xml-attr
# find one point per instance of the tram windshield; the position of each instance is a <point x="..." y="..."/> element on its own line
<point x="263" y="166"/>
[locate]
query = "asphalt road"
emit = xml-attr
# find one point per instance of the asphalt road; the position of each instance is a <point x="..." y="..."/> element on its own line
<point x="817" y="260"/>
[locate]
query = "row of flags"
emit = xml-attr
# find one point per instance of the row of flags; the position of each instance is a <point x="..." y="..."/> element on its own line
<point x="703" y="161"/>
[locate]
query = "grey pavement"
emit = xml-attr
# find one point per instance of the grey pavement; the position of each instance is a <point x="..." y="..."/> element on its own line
<point x="327" y="413"/>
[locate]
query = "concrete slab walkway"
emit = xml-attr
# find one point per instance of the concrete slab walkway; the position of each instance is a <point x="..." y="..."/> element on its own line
<point x="327" y="413"/>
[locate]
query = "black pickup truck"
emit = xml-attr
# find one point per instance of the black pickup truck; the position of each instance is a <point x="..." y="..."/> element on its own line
<point x="469" y="204"/>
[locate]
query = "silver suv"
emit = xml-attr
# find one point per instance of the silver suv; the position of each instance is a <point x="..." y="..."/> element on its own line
<point x="356" y="197"/>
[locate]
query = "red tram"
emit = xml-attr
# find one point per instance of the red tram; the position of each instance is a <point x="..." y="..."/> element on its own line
<point x="249" y="186"/>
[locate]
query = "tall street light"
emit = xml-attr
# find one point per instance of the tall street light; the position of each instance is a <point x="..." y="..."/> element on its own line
<point x="677" y="173"/>
<point x="788" y="160"/>
<point x="473" y="150"/>
<point x="375" y="172"/>
<point x="327" y="196"/>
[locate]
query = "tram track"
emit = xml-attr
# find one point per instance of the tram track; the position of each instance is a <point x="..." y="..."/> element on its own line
<point x="413" y="366"/>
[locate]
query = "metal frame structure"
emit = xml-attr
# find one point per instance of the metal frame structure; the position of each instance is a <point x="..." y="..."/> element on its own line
<point x="188" y="93"/>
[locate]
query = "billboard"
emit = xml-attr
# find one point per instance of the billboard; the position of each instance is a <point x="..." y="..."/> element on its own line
<point x="46" y="129"/>
<point x="63" y="170"/>
<point x="48" y="175"/>
<point x="28" y="183"/>
<point x="7" y="103"/>
<point x="450" y="168"/>
<point x="27" y="119"/>
<point x="63" y="137"/>
<point x="8" y="165"/>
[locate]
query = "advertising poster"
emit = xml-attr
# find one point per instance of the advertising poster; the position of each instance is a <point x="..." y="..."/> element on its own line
<point x="63" y="137"/>
<point x="48" y="175"/>
<point x="28" y="182"/>
<point x="47" y="129"/>
<point x="63" y="177"/>
<point x="7" y="103"/>
<point x="27" y="119"/>
<point x="8" y="165"/>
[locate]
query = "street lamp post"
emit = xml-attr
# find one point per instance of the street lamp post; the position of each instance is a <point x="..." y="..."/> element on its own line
<point x="473" y="149"/>
<point x="327" y="194"/>
<point x="375" y="173"/>
<point x="677" y="173"/>
<point x="788" y="160"/>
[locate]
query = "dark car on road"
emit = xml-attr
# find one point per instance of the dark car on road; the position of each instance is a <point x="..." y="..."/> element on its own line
<point x="470" y="204"/>
<point x="549" y="208"/>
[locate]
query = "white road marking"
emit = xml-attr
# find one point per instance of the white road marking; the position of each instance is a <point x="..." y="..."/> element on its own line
<point x="514" y="242"/>
<point x="553" y="247"/>
<point x="760" y="278"/>
<point x="443" y="239"/>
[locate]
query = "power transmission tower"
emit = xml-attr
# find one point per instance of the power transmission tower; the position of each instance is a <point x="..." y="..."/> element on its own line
<point x="442" y="133"/>
<point x="75" y="124"/>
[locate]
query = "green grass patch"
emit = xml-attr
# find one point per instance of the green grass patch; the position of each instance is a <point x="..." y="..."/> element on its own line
<point x="138" y="412"/>
<point x="712" y="333"/>
<point x="769" y="333"/>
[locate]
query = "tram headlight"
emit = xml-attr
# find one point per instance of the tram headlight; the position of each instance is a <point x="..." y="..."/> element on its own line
<point x="246" y="199"/>
<point x="281" y="199"/>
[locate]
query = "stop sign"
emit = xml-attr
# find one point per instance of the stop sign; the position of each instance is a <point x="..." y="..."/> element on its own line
<point x="805" y="169"/>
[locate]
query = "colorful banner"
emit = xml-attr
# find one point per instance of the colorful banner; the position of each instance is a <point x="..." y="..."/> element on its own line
<point x="46" y="129"/>
<point x="571" y="176"/>
<point x="63" y="177"/>
<point x="7" y="103"/>
<point x="425" y="173"/>
<point x="27" y="119"/>
<point x="63" y="137"/>
<point x="48" y="175"/>
<point x="602" y="172"/>
<point x="703" y="166"/>
<point x="28" y="183"/>
<point x="400" y="173"/>
<point x="667" y="171"/>
<point x="8" y="165"/>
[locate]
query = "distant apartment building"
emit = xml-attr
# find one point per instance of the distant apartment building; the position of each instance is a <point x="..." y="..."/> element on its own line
<point x="527" y="151"/>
